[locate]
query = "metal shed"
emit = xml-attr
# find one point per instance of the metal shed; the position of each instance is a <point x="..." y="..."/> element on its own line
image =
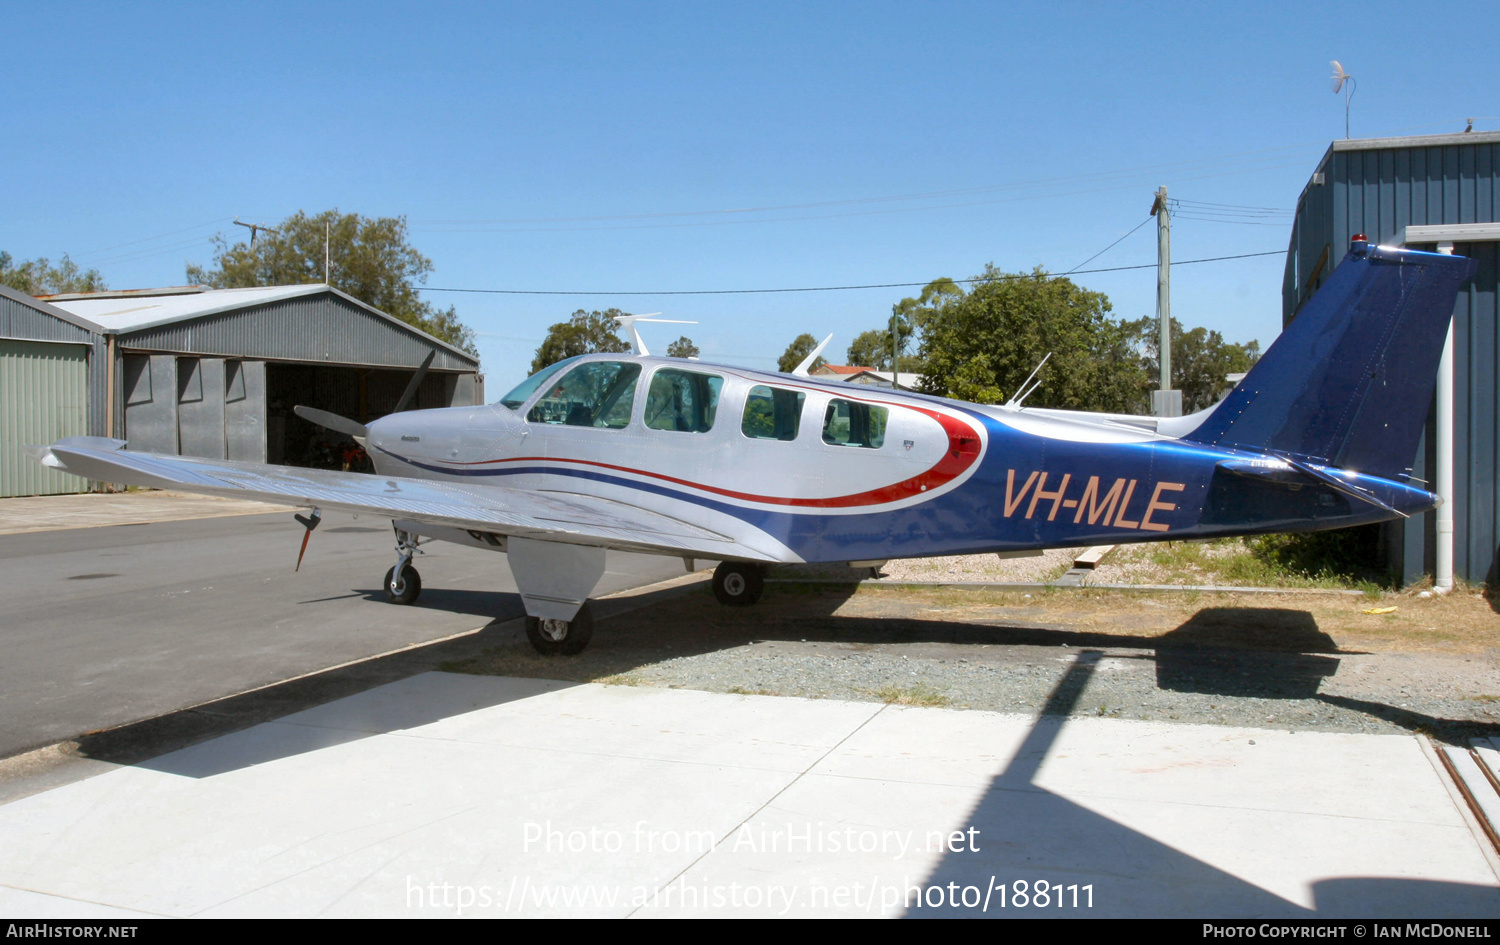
<point x="53" y="375"/>
<point x="1434" y="191"/>
<point x="216" y="372"/>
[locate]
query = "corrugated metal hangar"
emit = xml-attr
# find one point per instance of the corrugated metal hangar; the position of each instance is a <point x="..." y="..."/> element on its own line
<point x="1430" y="192"/>
<point x="52" y="384"/>
<point x="207" y="372"/>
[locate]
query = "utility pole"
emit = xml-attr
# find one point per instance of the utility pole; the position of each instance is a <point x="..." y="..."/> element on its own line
<point x="895" y="356"/>
<point x="1165" y="402"/>
<point x="253" y="227"/>
<point x="327" y="280"/>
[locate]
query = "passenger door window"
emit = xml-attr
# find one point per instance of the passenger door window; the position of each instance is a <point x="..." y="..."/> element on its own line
<point x="685" y="401"/>
<point x="850" y="423"/>
<point x="772" y="413"/>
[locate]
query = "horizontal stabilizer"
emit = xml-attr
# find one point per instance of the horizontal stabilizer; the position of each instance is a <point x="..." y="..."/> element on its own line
<point x="1292" y="472"/>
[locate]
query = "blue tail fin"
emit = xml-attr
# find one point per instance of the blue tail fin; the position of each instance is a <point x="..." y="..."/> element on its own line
<point x="1348" y="383"/>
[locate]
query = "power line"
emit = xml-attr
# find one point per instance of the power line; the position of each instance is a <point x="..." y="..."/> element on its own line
<point x="1107" y="248"/>
<point x="148" y="239"/>
<point x="927" y="195"/>
<point x="835" y="288"/>
<point x="1188" y="216"/>
<point x="732" y="218"/>
<point x="1232" y="207"/>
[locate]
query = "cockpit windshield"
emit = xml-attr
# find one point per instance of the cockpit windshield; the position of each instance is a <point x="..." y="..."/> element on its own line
<point x="526" y="388"/>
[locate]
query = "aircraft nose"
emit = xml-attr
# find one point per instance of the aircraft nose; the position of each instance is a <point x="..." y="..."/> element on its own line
<point x="414" y="437"/>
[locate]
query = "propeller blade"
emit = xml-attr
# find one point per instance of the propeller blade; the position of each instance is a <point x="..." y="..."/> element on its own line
<point x="331" y="421"/>
<point x="416" y="381"/>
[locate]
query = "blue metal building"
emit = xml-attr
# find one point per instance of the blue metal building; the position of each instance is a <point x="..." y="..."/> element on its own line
<point x="1433" y="192"/>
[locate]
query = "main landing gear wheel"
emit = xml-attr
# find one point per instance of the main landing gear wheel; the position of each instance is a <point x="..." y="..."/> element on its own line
<point x="407" y="590"/>
<point x="561" y="637"/>
<point x="737" y="584"/>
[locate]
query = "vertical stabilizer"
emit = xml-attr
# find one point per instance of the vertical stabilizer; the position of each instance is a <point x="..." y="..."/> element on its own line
<point x="1349" y="382"/>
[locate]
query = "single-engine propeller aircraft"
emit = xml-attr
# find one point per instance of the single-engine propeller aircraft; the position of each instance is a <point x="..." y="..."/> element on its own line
<point x="753" y="469"/>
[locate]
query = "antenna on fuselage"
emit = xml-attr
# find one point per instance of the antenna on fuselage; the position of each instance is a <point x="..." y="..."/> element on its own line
<point x="801" y="369"/>
<point x="628" y="322"/>
<point x="1023" y="391"/>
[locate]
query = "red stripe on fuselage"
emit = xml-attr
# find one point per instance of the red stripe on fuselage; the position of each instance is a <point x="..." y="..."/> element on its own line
<point x="963" y="450"/>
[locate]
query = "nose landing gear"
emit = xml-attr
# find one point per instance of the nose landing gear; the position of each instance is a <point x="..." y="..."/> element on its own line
<point x="402" y="583"/>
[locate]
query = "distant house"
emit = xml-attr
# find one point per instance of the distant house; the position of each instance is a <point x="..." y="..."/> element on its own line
<point x="869" y="377"/>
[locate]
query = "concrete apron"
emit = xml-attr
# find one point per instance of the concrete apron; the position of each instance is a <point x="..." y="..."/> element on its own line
<point x="96" y="509"/>
<point x="442" y="795"/>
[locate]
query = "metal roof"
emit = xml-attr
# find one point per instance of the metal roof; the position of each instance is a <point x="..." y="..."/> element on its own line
<point x="121" y="313"/>
<point x="37" y="305"/>
<point x="1415" y="141"/>
<point x="141" y="311"/>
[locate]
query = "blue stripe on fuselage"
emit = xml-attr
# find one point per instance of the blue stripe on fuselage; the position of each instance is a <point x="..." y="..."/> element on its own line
<point x="1028" y="491"/>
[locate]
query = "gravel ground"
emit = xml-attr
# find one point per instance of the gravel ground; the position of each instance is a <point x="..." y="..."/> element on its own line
<point x="1222" y="659"/>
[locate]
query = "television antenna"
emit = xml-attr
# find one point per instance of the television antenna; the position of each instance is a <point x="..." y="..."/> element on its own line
<point x="1343" y="81"/>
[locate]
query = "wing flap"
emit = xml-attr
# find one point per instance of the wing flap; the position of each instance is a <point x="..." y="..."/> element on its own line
<point x="575" y="519"/>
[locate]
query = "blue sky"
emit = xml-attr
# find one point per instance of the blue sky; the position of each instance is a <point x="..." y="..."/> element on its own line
<point x="658" y="146"/>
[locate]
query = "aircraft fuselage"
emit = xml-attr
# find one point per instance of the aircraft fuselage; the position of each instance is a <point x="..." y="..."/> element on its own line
<point x="807" y="470"/>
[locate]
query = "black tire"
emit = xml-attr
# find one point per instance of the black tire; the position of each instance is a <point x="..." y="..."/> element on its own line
<point x="737" y="584"/>
<point x="561" y="637"/>
<point x="410" y="589"/>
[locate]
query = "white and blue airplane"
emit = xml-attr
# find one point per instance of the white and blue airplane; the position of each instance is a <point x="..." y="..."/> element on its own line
<point x="756" y="469"/>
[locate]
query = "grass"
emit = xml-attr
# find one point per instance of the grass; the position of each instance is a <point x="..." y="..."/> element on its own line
<point x="916" y="694"/>
<point x="1348" y="559"/>
<point x="1461" y="622"/>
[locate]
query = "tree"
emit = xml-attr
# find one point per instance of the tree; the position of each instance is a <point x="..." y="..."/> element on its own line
<point x="369" y="258"/>
<point x="870" y="349"/>
<point x="39" y="277"/>
<point x="683" y="347"/>
<point x="980" y="345"/>
<point x="796" y="352"/>
<point x="873" y="348"/>
<point x="909" y="318"/>
<point x="1200" y="360"/>
<point x="583" y="333"/>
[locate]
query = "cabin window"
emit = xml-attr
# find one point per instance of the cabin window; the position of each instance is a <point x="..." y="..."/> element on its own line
<point x="772" y="413"/>
<point x="849" y="423"/>
<point x="595" y="394"/>
<point x="684" y="401"/>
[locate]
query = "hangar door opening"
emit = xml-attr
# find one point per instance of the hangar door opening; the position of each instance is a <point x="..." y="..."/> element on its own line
<point x="221" y="408"/>
<point x="362" y="394"/>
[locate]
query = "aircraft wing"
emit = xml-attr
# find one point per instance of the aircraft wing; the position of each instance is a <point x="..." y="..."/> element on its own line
<point x="545" y="516"/>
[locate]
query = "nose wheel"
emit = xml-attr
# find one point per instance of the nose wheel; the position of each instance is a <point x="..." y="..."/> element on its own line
<point x="551" y="637"/>
<point x="402" y="582"/>
<point x="405" y="588"/>
<point x="738" y="584"/>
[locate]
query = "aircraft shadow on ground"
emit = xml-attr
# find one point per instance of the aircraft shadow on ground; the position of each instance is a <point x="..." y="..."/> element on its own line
<point x="159" y="743"/>
<point x="1235" y="652"/>
<point x="497" y="605"/>
<point x="1289" y="659"/>
<point x="1032" y="834"/>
